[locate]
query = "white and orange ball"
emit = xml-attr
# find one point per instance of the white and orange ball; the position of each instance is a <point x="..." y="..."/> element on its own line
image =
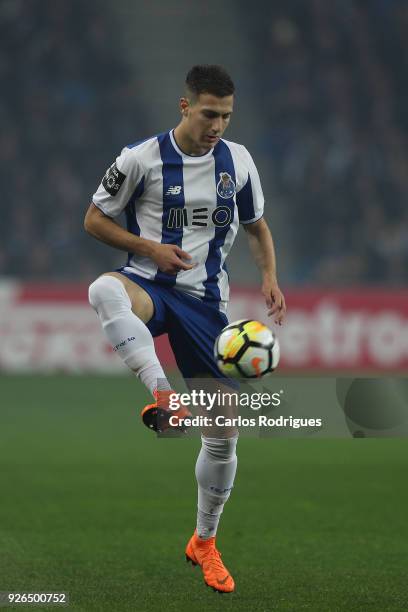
<point x="246" y="349"/>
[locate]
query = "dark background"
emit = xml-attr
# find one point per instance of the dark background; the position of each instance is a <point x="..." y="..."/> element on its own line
<point x="321" y="103"/>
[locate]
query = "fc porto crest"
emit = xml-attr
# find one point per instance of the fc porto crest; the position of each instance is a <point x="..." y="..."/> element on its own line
<point x="225" y="186"/>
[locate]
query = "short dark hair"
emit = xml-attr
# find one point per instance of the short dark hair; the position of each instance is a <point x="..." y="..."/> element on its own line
<point x="209" y="78"/>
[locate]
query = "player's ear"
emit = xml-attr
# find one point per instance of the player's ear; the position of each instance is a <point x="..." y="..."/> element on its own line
<point x="184" y="106"/>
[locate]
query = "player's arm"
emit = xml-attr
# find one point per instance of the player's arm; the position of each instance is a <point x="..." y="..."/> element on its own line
<point x="263" y="252"/>
<point x="168" y="257"/>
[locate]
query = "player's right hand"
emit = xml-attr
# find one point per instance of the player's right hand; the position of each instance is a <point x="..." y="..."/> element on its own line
<point x="169" y="258"/>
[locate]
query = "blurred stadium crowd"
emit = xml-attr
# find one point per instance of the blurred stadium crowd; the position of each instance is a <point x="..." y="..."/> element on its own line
<point x="332" y="89"/>
<point x="335" y="102"/>
<point x="68" y="104"/>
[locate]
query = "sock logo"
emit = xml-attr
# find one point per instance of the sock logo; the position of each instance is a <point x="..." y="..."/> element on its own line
<point x="221" y="490"/>
<point x="123" y="343"/>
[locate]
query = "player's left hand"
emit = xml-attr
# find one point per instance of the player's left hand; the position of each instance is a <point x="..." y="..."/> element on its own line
<point x="274" y="299"/>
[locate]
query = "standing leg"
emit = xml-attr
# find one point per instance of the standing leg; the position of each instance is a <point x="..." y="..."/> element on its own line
<point x="215" y="473"/>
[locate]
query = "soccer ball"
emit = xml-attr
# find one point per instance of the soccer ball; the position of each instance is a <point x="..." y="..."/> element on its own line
<point x="246" y="349"/>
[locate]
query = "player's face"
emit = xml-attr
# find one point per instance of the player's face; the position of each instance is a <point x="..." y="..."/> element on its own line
<point x="206" y="119"/>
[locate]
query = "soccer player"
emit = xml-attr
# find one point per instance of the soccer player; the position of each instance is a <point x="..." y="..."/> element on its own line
<point x="184" y="193"/>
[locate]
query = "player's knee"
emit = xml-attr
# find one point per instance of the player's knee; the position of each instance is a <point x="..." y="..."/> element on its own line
<point x="220" y="449"/>
<point x="108" y="290"/>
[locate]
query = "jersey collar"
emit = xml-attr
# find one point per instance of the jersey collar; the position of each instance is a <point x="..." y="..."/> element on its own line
<point x="191" y="158"/>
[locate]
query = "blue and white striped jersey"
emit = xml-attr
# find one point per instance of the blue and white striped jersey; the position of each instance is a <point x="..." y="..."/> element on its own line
<point x="195" y="202"/>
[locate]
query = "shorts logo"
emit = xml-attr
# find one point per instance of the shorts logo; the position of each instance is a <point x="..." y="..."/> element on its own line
<point x="113" y="180"/>
<point x="225" y="186"/>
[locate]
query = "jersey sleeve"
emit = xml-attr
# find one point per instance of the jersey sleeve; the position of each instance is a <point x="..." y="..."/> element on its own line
<point x="250" y="199"/>
<point x="121" y="182"/>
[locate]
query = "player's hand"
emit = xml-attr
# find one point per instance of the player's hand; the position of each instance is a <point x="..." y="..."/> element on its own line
<point x="169" y="258"/>
<point x="274" y="299"/>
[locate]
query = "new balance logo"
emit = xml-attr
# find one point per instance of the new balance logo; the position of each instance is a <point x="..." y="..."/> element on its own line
<point x="173" y="190"/>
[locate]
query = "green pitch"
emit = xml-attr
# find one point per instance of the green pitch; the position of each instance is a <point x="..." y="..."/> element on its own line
<point x="93" y="504"/>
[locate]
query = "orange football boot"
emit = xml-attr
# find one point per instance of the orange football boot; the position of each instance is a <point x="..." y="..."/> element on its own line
<point x="205" y="554"/>
<point x="156" y="416"/>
